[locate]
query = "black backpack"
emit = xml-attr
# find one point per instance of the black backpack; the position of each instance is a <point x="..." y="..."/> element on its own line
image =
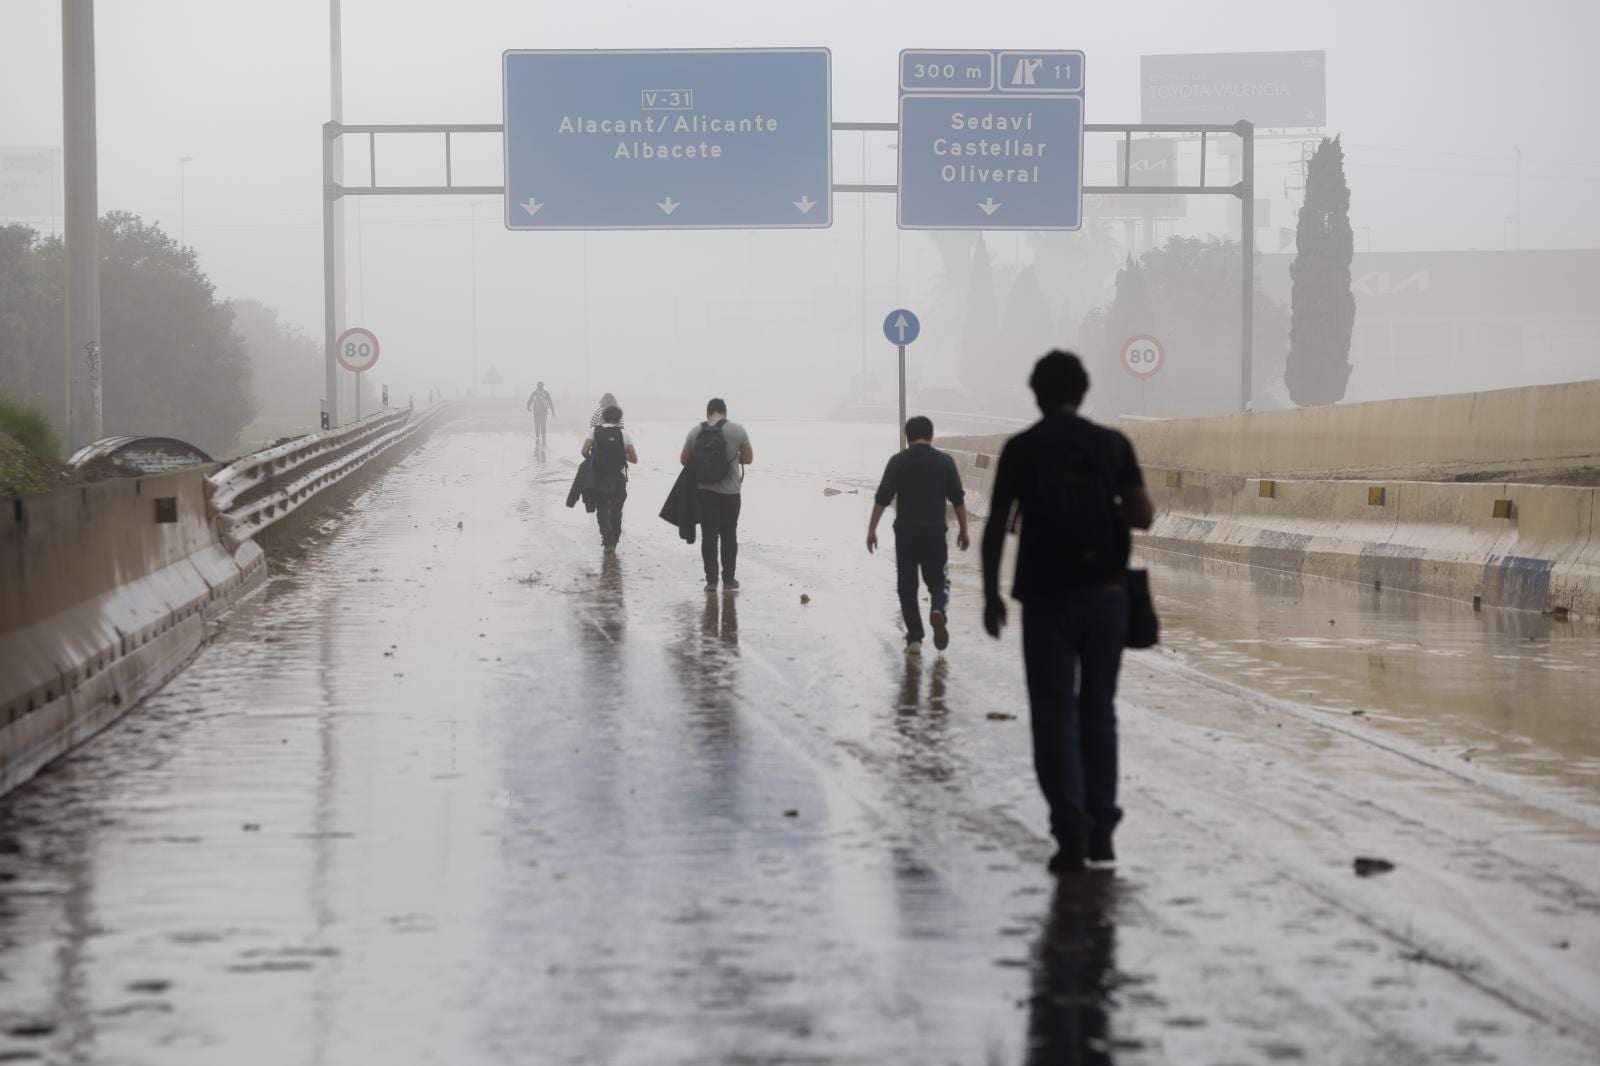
<point x="610" y="454"/>
<point x="711" y="454"/>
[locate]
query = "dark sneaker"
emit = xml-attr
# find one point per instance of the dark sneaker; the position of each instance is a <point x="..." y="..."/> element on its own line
<point x="711" y="584"/>
<point x="1100" y="846"/>
<point x="1068" y="859"/>
<point x="730" y="584"/>
<point x="941" y="631"/>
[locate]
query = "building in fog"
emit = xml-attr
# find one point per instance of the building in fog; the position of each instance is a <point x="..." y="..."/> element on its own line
<point x="1430" y="322"/>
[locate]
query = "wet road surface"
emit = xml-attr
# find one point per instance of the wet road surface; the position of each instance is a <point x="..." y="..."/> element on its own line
<point x="456" y="789"/>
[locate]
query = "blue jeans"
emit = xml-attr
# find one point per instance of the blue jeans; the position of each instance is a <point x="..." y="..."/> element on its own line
<point x="927" y="553"/>
<point x="1072" y="648"/>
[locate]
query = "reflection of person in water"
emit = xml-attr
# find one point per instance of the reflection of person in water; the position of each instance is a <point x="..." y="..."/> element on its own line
<point x="1068" y="1013"/>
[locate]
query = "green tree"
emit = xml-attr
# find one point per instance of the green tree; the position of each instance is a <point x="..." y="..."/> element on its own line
<point x="1322" y="307"/>
<point x="173" y="365"/>
<point x="1029" y="331"/>
<point x="1186" y="294"/>
<point x="30" y="326"/>
<point x="982" y="326"/>
<point x="286" y="363"/>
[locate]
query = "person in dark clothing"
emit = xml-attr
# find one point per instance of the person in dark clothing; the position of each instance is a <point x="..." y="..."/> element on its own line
<point x="1078" y="491"/>
<point x="718" y="450"/>
<point x="609" y="450"/>
<point x="542" y="406"/>
<point x="919" y="481"/>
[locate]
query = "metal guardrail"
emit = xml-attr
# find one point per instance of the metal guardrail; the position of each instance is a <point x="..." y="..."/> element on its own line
<point x="351" y="448"/>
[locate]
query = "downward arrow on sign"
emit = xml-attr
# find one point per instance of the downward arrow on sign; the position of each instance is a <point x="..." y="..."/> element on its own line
<point x="668" y="205"/>
<point x="805" y="204"/>
<point x="988" y="206"/>
<point x="532" y="206"/>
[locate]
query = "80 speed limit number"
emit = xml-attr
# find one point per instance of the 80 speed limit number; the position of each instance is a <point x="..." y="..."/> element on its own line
<point x="1142" y="355"/>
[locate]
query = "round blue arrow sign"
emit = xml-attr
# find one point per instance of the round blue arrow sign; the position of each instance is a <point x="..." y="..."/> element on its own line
<point x="901" y="327"/>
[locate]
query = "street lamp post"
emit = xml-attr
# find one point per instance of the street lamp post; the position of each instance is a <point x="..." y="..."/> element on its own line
<point x="183" y="198"/>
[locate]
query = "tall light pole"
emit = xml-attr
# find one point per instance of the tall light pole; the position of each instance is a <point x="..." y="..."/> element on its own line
<point x="333" y="309"/>
<point x="82" y="232"/>
<point x="183" y="198"/>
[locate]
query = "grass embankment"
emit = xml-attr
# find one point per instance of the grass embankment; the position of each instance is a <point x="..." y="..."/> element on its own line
<point x="29" y="451"/>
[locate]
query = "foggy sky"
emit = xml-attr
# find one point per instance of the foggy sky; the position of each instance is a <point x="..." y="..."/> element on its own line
<point x="1430" y="97"/>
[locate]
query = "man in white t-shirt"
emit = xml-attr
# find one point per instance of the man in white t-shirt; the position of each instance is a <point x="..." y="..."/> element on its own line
<point x="609" y="451"/>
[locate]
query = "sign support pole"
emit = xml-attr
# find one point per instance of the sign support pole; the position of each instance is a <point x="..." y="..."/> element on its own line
<point x="82" y="234"/>
<point x="1247" y="252"/>
<point x="330" y="134"/>
<point x="902" y="397"/>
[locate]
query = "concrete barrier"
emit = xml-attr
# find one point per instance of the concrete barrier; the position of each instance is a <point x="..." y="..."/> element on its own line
<point x="106" y="590"/>
<point x="1506" y="544"/>
<point x="1521" y="434"/>
<point x="1528" y="547"/>
<point x="1509" y="433"/>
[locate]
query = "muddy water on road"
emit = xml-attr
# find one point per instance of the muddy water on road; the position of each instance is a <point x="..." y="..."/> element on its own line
<point x="1511" y="690"/>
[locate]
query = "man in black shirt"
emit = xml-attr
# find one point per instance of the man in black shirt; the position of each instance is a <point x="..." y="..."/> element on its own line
<point x="918" y="481"/>
<point x="1077" y="489"/>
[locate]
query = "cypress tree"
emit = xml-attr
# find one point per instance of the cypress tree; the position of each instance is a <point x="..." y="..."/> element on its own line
<point x="1322" y="307"/>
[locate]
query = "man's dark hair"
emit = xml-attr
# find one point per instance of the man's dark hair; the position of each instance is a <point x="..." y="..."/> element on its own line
<point x="1059" y="380"/>
<point x="919" y="427"/>
<point x="611" y="415"/>
<point x="717" y="406"/>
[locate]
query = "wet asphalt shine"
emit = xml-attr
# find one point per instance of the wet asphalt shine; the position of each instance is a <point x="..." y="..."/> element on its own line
<point x="456" y="788"/>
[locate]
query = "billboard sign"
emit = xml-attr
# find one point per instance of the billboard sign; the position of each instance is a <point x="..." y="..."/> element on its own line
<point x="1148" y="161"/>
<point x="30" y="183"/>
<point x="1271" y="89"/>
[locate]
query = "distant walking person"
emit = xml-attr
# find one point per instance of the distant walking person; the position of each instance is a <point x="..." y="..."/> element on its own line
<point x="1078" y="490"/>
<point x="542" y="406"/>
<point x="598" y="417"/>
<point x="918" y="481"/>
<point x="609" y="450"/>
<point x="717" y="451"/>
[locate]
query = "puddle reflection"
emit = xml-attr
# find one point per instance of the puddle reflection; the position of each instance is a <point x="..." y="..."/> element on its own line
<point x="1070" y="1005"/>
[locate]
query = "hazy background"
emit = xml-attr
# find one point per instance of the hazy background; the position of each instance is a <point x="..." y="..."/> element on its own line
<point x="1430" y="96"/>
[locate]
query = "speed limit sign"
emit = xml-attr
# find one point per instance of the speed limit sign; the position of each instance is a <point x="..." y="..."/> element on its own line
<point x="356" y="349"/>
<point x="1142" y="355"/>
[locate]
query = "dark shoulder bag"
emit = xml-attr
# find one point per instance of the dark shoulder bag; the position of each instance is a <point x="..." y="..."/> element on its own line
<point x="1144" y="629"/>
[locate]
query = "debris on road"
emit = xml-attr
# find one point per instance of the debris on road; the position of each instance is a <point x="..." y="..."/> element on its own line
<point x="1366" y="866"/>
<point x="1001" y="716"/>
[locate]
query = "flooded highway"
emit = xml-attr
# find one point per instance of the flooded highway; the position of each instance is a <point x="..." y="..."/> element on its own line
<point x="456" y="788"/>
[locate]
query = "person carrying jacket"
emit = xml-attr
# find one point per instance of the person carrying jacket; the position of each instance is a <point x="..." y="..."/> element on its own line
<point x="609" y="451"/>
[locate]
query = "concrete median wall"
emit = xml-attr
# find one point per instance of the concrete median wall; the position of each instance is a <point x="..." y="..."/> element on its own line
<point x="1510" y="434"/>
<point x="106" y="590"/>
<point x="1529" y="547"/>
<point x="1498" y="541"/>
<point x="1505" y="544"/>
<point x="1539" y="430"/>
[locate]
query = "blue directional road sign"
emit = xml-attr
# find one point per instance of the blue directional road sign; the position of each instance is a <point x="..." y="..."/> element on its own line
<point x="991" y="140"/>
<point x="701" y="139"/>
<point x="901" y="327"/>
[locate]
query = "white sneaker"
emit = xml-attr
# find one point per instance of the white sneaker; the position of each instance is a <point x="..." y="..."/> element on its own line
<point x="914" y="648"/>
